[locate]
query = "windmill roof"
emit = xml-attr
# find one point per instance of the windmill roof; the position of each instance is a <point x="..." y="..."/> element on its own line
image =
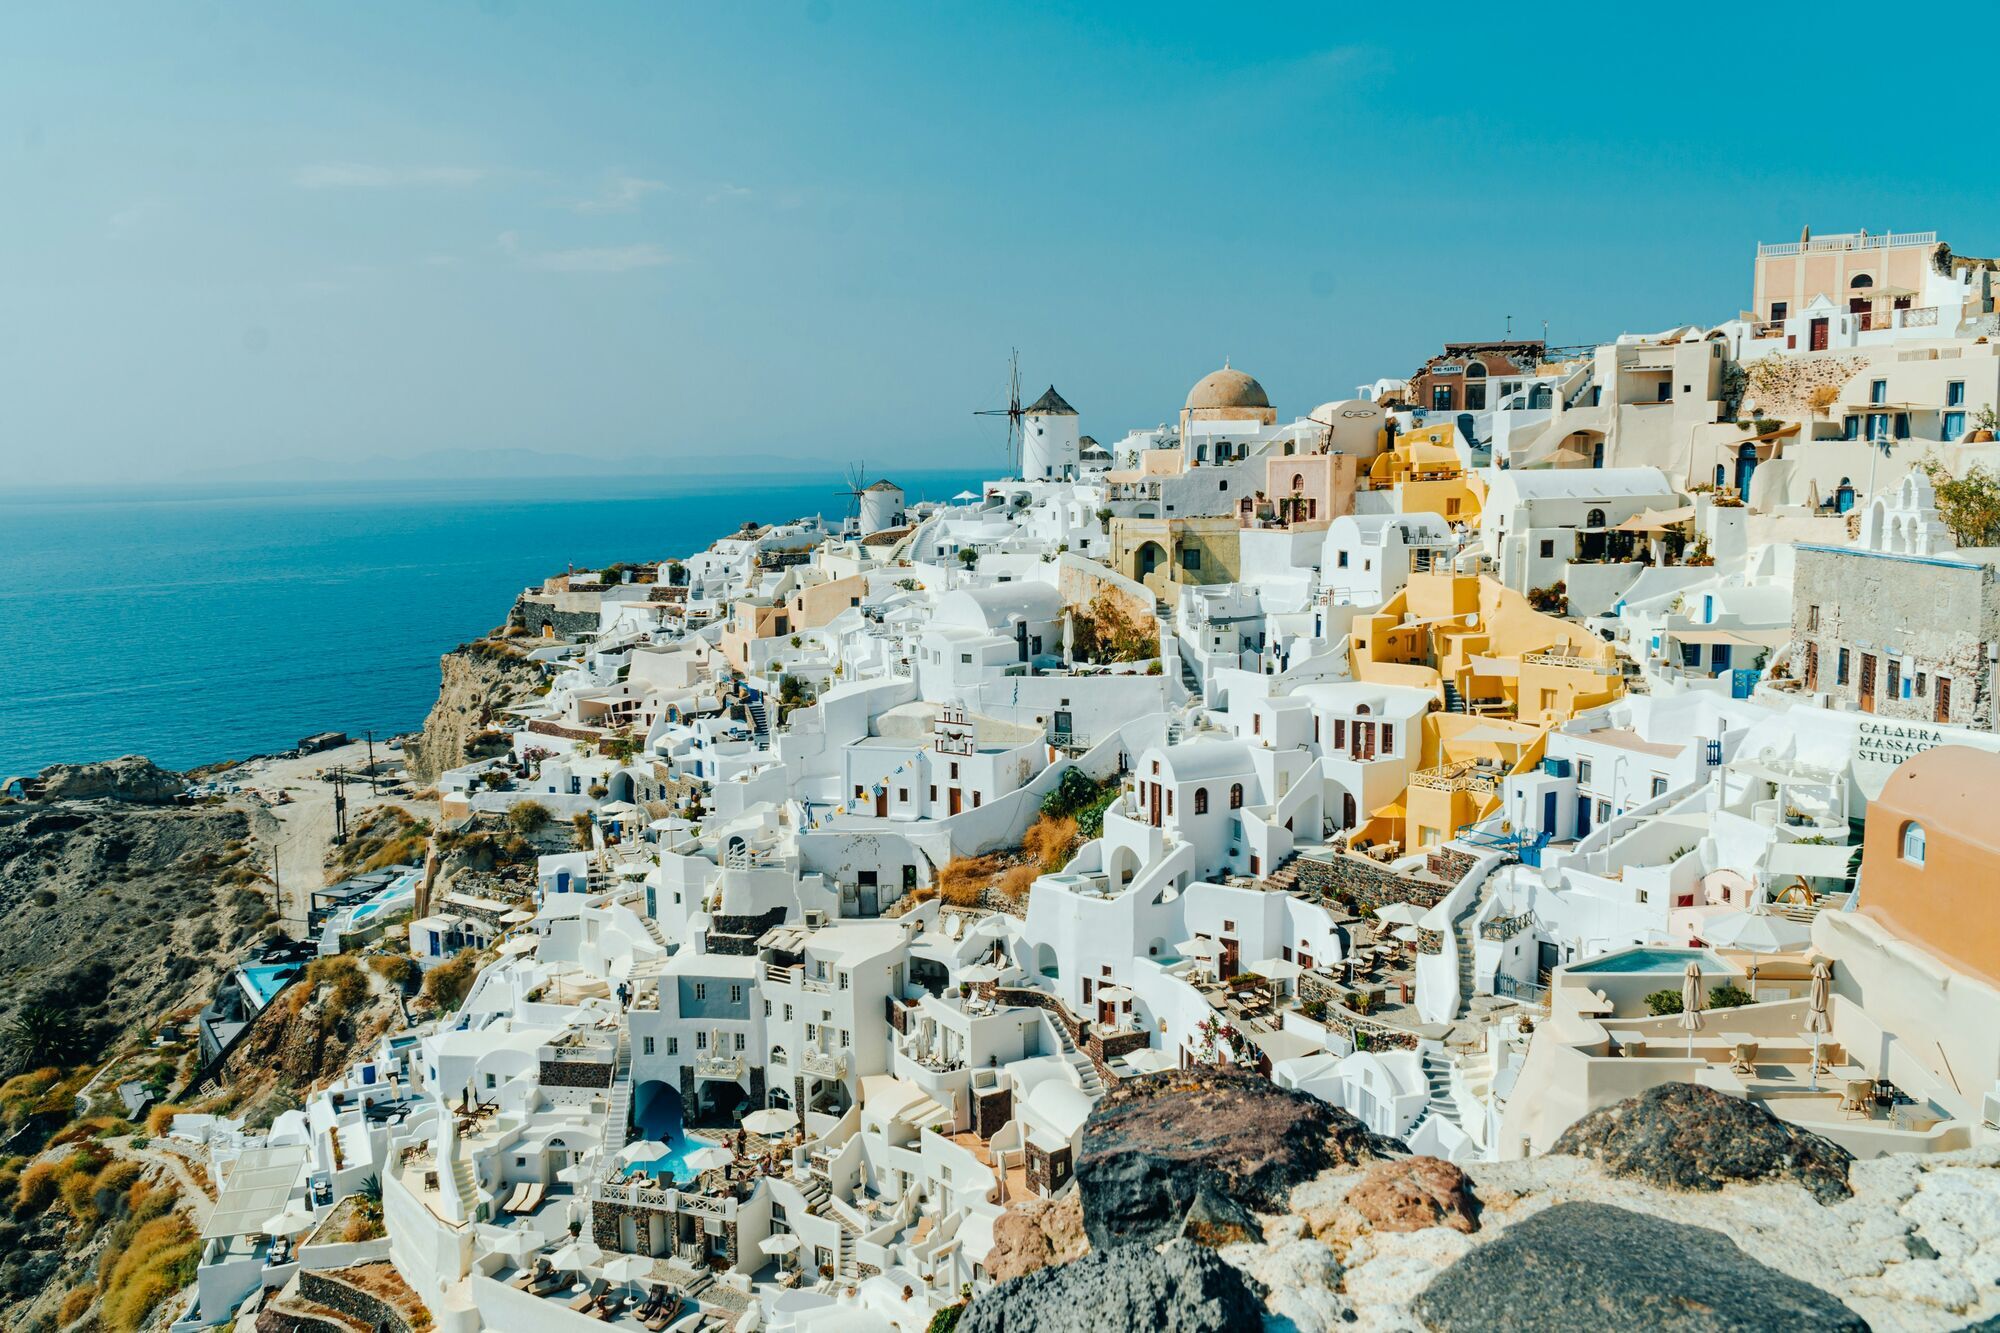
<point x="886" y="485"/>
<point x="1051" y="404"/>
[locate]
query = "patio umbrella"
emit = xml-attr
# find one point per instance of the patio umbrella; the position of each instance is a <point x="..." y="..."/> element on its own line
<point x="519" y="944"/>
<point x="1114" y="994"/>
<point x="1199" y="948"/>
<point x="645" y="1150"/>
<point x="516" y="917"/>
<point x="627" y="1268"/>
<point x="772" y="1120"/>
<point x="517" y="1243"/>
<point x="965" y="495"/>
<point x="1278" y="969"/>
<point x="1756" y="932"/>
<point x="1816" y="1019"/>
<point x="578" y="1253"/>
<point x="707" y="1159"/>
<point x="1400" y="914"/>
<point x="1691" y="998"/>
<point x="1407" y="934"/>
<point x="288" y="1223"/>
<point x="979" y="972"/>
<point x="782" y="1243"/>
<point x="574" y="1174"/>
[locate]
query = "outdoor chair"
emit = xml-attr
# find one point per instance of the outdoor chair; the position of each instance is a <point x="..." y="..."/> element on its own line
<point x="591" y="1297"/>
<point x="1856" y="1096"/>
<point x="1743" y="1058"/>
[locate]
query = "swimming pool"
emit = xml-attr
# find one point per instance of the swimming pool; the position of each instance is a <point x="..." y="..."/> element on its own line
<point x="404" y="890"/>
<point x="265" y="980"/>
<point x="659" y="1118"/>
<point x="1645" y="960"/>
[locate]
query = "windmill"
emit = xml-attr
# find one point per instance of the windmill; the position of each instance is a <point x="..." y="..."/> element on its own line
<point x="857" y="482"/>
<point x="1012" y="411"/>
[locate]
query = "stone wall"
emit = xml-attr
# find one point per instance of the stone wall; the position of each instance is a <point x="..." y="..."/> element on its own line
<point x="1365" y="883"/>
<point x="738" y="935"/>
<point x="575" y="1074"/>
<point x="991" y="1111"/>
<point x="331" y="1291"/>
<point x="1450" y="864"/>
<point x="532" y="612"/>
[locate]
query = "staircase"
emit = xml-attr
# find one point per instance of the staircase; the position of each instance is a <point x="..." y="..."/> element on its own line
<point x="760" y="723"/>
<point x="465" y="1185"/>
<point x="1437" y="1081"/>
<point x="1087" y="1076"/>
<point x="1454" y="702"/>
<point x="1189" y="678"/>
<point x="816" y="1191"/>
<point x="618" y="1117"/>
<point x="1284" y="879"/>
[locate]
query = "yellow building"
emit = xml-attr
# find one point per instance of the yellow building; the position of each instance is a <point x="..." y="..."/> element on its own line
<point x="1424" y="471"/>
<point x="1163" y="553"/>
<point x="1504" y="674"/>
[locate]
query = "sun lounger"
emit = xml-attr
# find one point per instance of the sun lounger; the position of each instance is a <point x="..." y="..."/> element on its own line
<point x="549" y="1283"/>
<point x="530" y="1200"/>
<point x="668" y="1310"/>
<point x="591" y="1297"/>
<point x="513" y="1203"/>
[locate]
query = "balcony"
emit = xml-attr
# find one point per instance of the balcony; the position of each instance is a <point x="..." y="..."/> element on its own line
<point x="1456" y="777"/>
<point x="727" y="1068"/>
<point x="825" y="1064"/>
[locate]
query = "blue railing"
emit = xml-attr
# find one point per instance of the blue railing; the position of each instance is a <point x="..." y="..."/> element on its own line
<point x="1523" y="847"/>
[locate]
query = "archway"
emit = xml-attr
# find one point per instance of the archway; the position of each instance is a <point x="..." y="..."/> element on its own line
<point x="1150" y="557"/>
<point x="1121" y="866"/>
<point x="1746" y="468"/>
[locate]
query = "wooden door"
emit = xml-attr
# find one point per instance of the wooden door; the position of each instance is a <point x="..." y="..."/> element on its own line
<point x="1941" y="695"/>
<point x="1819" y="338"/>
<point x="1867" y="682"/>
<point x="882" y="804"/>
<point x="1156" y="805"/>
<point x="952" y="799"/>
<point x="1895" y="680"/>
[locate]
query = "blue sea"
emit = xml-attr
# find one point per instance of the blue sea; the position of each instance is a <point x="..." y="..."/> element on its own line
<point x="198" y="626"/>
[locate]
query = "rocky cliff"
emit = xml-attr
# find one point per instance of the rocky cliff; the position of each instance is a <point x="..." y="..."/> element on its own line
<point x="477" y="680"/>
<point x="1665" y="1212"/>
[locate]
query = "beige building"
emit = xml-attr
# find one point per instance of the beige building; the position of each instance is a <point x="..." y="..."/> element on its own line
<point x="1226" y="395"/>
<point x="1162" y="553"/>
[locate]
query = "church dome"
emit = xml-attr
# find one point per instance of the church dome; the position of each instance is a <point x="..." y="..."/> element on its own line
<point x="1227" y="388"/>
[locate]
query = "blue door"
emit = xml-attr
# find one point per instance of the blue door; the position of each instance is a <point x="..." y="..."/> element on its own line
<point x="1549" y="813"/>
<point x="1582" y="816"/>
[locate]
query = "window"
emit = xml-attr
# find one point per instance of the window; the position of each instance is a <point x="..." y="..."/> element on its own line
<point x="812" y="1032"/>
<point x="492" y="1081"/>
<point x="1256" y="724"/>
<point x="1659" y="786"/>
<point x="701" y="990"/>
<point x="1913" y="843"/>
<point x="1840" y="669"/>
<point x="1190" y="558"/>
<point x="1594" y="519"/>
<point x="649" y="1046"/>
<point x="739" y="1041"/>
<point x="1878" y="391"/>
<point x="1440" y="398"/>
<point x="846" y="1037"/>
<point x="736" y="994"/>
<point x="902" y="793"/>
<point x="842" y="982"/>
<point x="1388" y="737"/>
<point x="1340" y="733"/>
<point x="1548" y="550"/>
<point x="1812" y="619"/>
<point x="1954" y="425"/>
<point x="1340" y="560"/>
<point x="767" y="1008"/>
<point x="1779" y="309"/>
<point x="701" y="1041"/>
<point x="673" y="1045"/>
<point x="788" y="1013"/>
<point x="1201" y="800"/>
<point x="965" y="658"/>
<point x="1954" y="393"/>
<point x="1236" y="796"/>
<point x="1583" y="771"/>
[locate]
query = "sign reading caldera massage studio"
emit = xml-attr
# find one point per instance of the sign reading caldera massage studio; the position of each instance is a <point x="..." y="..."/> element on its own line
<point x="1885" y="743"/>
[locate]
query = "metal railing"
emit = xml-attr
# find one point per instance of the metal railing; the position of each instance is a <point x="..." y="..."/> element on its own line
<point x="1846" y="241"/>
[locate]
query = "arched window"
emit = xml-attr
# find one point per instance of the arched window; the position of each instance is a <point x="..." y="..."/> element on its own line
<point x="1235" y="796"/>
<point x="1201" y="800"/>
<point x="1913" y="843"/>
<point x="1475" y="370"/>
<point x="1862" y="280"/>
<point x="1298" y="482"/>
<point x="1595" y="519"/>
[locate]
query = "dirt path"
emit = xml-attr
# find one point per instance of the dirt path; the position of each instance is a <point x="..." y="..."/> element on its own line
<point x="296" y="834"/>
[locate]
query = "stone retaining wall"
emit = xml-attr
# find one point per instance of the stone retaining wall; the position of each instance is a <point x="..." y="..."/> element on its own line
<point x="1365" y="883"/>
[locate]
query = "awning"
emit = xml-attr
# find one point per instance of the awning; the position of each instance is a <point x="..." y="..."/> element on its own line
<point x="255" y="1188"/>
<point x="1655" y="520"/>
<point x="1735" y="638"/>
<point x="1810" y="859"/>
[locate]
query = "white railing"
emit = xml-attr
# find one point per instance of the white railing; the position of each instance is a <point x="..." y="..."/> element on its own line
<point x="718" y="1066"/>
<point x="825" y="1064"/>
<point x="1847" y="241"/>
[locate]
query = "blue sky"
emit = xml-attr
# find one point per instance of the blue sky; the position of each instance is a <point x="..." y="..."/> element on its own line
<point x="260" y="232"/>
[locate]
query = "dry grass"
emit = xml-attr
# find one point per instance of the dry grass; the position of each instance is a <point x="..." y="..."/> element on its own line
<point x="965" y="879"/>
<point x="75" y="1304"/>
<point x="1049" y="843"/>
<point x="155" y="1263"/>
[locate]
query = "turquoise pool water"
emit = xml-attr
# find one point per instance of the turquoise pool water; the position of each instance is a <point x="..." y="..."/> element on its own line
<point x="266" y="980"/>
<point x="659" y="1118"/>
<point x="1647" y="960"/>
<point x="403" y="891"/>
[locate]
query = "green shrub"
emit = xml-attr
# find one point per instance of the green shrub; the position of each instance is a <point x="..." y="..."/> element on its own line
<point x="1663" y="1002"/>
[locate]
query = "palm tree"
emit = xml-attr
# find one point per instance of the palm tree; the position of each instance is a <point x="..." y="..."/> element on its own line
<point x="42" y="1034"/>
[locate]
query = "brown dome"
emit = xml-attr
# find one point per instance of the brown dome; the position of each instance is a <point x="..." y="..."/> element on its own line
<point x="1227" y="388"/>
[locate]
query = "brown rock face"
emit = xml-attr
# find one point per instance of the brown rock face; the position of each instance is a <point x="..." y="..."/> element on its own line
<point x="1414" y="1194"/>
<point x="1153" y="1144"/>
<point x="1036" y="1233"/>
<point x="1684" y="1136"/>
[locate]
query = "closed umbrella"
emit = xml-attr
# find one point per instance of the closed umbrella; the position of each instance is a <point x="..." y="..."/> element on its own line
<point x="770" y="1121"/>
<point x="1691" y="998"/>
<point x="1817" y="1022"/>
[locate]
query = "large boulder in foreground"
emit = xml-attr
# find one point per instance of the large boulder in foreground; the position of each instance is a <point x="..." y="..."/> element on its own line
<point x="131" y="777"/>
<point x="1687" y="1137"/>
<point x="1593" y="1268"/>
<point x="1034" y="1234"/>
<point x="1153" y="1144"/>
<point x="1182" y="1288"/>
<point x="1413" y="1194"/>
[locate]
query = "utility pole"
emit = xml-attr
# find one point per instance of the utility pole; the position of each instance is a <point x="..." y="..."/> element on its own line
<point x="371" y="763"/>
<point x="339" y="806"/>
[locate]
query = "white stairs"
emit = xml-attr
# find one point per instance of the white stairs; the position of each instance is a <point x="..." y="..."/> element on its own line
<point x="618" y="1115"/>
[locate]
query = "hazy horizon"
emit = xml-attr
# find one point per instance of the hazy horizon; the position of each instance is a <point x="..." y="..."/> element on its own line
<point x="271" y="238"/>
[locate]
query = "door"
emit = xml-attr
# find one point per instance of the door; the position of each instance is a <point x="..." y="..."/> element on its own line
<point x="1941" y="693"/>
<point x="1867" y="682"/>
<point x="882" y="804"/>
<point x="1547" y="960"/>
<point x="1086" y="991"/>
<point x="1347" y="810"/>
<point x="1231" y="953"/>
<point x="1819" y="335"/>
<point x="1895" y="679"/>
<point x="1156" y="805"/>
<point x="1107" y="1014"/>
<point x="866" y="895"/>
<point x="1062" y="722"/>
<point x="1582" y="816"/>
<point x="1549" y="813"/>
<point x="952" y="798"/>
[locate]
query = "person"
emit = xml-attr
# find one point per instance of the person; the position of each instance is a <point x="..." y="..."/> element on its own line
<point x="624" y="995"/>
